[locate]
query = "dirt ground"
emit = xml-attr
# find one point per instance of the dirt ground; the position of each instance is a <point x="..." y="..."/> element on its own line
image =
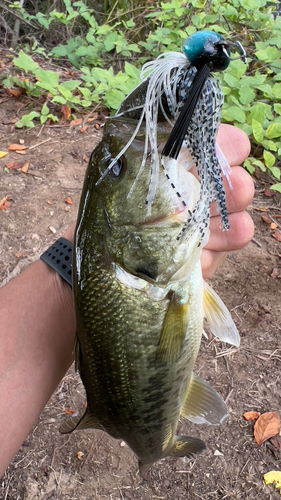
<point x="47" y="466"/>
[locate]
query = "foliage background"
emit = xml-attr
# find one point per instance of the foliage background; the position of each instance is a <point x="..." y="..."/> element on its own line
<point x="108" y="42"/>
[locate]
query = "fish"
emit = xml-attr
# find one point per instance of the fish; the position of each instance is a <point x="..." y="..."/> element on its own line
<point x="140" y="297"/>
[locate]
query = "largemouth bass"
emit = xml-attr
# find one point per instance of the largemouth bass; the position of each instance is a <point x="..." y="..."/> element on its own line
<point x="139" y="292"/>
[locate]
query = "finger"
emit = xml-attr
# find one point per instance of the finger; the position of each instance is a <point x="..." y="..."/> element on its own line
<point x="210" y="261"/>
<point x="238" y="236"/>
<point x="240" y="196"/>
<point x="234" y="144"/>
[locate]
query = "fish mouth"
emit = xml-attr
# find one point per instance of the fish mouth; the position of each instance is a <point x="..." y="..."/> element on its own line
<point x="180" y="215"/>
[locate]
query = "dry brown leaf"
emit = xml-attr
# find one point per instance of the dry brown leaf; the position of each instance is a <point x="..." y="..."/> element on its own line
<point x="78" y="121"/>
<point x="273" y="225"/>
<point x="68" y="200"/>
<point x="16" y="92"/>
<point x="16" y="147"/>
<point x="10" y="122"/>
<point x="18" y="255"/>
<point x="65" y="109"/>
<point x="267" y="426"/>
<point x="266" y="219"/>
<point x="14" y="165"/>
<point x="25" y="167"/>
<point x="69" y="411"/>
<point x="80" y="454"/>
<point x="277" y="235"/>
<point x="275" y="272"/>
<point x="251" y="415"/>
<point x="83" y="129"/>
<point x="276" y="441"/>
<point x="5" y="202"/>
<point x="93" y="117"/>
<point x="97" y="126"/>
<point x="269" y="193"/>
<point x="21" y="152"/>
<point x="75" y="153"/>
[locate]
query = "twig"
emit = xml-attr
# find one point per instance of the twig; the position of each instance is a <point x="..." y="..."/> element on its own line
<point x="273" y="220"/>
<point x="228" y="396"/>
<point x="58" y="448"/>
<point x="40" y="132"/>
<point x="39" y="143"/>
<point x="6" y="494"/>
<point x="256" y="242"/>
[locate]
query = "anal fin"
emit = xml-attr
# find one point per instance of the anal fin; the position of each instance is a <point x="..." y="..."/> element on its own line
<point x="219" y="318"/>
<point x="203" y="405"/>
<point x="80" y="422"/>
<point x="187" y="447"/>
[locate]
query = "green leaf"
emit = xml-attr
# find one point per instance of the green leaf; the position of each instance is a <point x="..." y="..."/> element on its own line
<point x="249" y="166"/>
<point x="114" y="98"/>
<point x="59" y="99"/>
<point x="43" y="119"/>
<point x="277" y="108"/>
<point x="236" y="113"/>
<point x="41" y="18"/>
<point x="247" y="95"/>
<point x="276" y="90"/>
<point x="276" y="172"/>
<point x="268" y="144"/>
<point x="81" y="51"/>
<point x="65" y="92"/>
<point x="71" y="84"/>
<point x="26" y="120"/>
<point x="259" y="164"/>
<point x="273" y="131"/>
<point x="276" y="187"/>
<point x="86" y="93"/>
<point x="25" y="62"/>
<point x="257" y="130"/>
<point x="231" y="80"/>
<point x="48" y="80"/>
<point x="269" y="159"/>
<point x="132" y="71"/>
<point x="45" y="110"/>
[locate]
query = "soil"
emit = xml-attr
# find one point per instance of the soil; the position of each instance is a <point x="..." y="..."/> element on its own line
<point x="49" y="466"/>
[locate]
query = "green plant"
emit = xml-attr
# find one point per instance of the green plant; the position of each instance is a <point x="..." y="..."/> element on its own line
<point x="98" y="43"/>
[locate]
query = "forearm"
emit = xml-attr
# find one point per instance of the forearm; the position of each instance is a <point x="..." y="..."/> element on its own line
<point x="37" y="327"/>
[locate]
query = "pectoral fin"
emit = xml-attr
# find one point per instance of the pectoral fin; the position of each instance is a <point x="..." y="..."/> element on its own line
<point x="173" y="331"/>
<point x="203" y="405"/>
<point x="219" y="318"/>
<point x="85" y="421"/>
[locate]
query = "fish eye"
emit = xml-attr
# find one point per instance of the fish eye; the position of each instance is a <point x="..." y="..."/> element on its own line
<point x="118" y="167"/>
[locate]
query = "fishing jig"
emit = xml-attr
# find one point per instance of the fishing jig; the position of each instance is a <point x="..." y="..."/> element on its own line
<point x="180" y="88"/>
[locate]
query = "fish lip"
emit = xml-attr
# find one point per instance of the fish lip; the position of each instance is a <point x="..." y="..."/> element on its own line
<point x="180" y="215"/>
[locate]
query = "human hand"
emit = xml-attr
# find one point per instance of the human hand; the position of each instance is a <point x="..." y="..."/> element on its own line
<point x="236" y="147"/>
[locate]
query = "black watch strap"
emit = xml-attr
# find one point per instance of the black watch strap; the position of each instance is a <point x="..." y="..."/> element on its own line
<point x="59" y="257"/>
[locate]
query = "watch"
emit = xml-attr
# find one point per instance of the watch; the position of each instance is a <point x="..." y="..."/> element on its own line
<point x="59" y="257"/>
